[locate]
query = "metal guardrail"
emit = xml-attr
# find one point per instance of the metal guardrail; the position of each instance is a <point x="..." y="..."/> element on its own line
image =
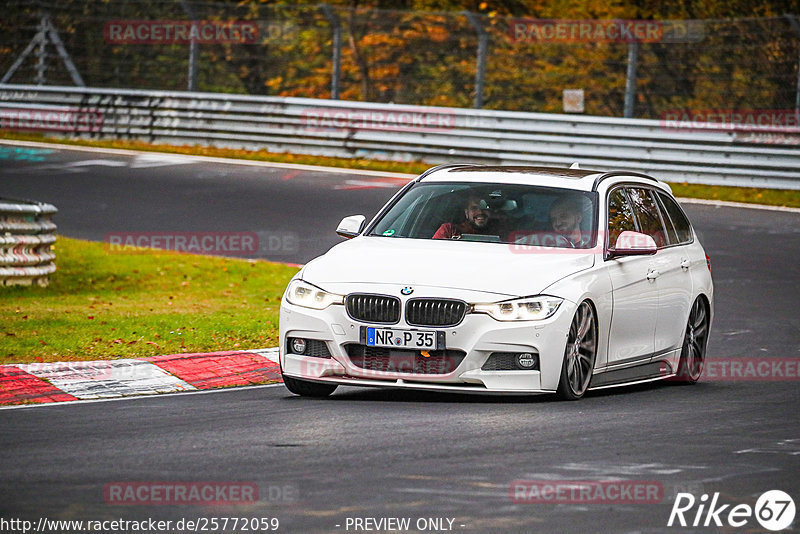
<point x="26" y="242"/>
<point x="703" y="154"/>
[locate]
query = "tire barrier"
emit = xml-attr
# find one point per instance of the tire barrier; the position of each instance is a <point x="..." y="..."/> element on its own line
<point x="27" y="234"/>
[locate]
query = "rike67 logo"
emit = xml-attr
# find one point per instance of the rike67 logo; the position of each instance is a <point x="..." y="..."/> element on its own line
<point x="774" y="510"/>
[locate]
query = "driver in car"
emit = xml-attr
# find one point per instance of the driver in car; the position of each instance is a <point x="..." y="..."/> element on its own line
<point x="565" y="219"/>
<point x="479" y="220"/>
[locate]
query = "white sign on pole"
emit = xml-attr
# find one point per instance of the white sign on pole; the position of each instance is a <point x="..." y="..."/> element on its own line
<point x="573" y="100"/>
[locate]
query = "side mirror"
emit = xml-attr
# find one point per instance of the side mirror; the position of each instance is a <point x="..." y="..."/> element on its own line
<point x="351" y="226"/>
<point x="633" y="244"/>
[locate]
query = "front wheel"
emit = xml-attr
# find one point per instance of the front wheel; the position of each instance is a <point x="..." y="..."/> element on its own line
<point x="308" y="389"/>
<point x="695" y="339"/>
<point x="579" y="355"/>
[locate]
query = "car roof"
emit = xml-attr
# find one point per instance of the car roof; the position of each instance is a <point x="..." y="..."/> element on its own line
<point x="568" y="178"/>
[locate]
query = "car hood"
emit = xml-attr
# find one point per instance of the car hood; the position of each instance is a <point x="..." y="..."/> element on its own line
<point x="503" y="269"/>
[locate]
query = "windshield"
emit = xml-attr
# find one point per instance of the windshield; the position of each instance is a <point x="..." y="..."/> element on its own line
<point x="495" y="213"/>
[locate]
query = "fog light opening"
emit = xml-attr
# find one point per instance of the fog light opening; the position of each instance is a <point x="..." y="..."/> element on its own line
<point x="526" y="360"/>
<point x="298" y="345"/>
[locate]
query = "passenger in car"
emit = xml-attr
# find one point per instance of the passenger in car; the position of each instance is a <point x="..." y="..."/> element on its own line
<point x="479" y="220"/>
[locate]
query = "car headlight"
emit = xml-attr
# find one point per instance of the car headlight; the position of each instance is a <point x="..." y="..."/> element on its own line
<point x="527" y="309"/>
<point x="302" y="293"/>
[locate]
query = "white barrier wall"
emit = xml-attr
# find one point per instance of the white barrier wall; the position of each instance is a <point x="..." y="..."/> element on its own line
<point x="749" y="153"/>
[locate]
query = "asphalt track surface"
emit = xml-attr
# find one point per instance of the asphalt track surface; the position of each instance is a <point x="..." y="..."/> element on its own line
<point x="387" y="453"/>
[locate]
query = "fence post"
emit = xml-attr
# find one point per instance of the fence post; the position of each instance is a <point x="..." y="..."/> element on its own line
<point x="191" y="84"/>
<point x="41" y="52"/>
<point x="45" y="31"/>
<point x="56" y="40"/>
<point x="336" y="26"/>
<point x="483" y="45"/>
<point x="796" y="28"/>
<point x="630" y="79"/>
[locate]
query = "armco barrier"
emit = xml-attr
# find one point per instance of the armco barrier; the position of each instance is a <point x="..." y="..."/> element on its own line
<point x="26" y="242"/>
<point x="700" y="154"/>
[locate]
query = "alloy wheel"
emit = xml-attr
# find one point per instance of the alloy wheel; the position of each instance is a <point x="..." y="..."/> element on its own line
<point x="579" y="355"/>
<point x="693" y="352"/>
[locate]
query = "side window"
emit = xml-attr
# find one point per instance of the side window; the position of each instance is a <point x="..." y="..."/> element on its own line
<point x="646" y="211"/>
<point x="620" y="215"/>
<point x="673" y="235"/>
<point x="679" y="220"/>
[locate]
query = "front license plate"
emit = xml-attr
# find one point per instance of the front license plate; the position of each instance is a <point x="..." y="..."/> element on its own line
<point x="403" y="339"/>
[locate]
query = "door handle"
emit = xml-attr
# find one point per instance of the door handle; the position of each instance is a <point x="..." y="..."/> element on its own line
<point x="652" y="274"/>
<point x="685" y="264"/>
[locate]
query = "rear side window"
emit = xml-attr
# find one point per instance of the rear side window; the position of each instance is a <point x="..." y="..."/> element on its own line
<point x="646" y="211"/>
<point x="673" y="235"/>
<point x="679" y="220"/>
<point x="620" y="215"/>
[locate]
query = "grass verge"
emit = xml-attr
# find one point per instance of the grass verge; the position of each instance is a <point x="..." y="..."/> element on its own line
<point x="752" y="195"/>
<point x="102" y="305"/>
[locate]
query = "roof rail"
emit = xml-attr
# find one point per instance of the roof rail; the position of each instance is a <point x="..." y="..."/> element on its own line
<point x="611" y="174"/>
<point x="442" y="167"/>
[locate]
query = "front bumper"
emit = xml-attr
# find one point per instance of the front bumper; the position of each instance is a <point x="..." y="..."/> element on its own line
<point x="478" y="335"/>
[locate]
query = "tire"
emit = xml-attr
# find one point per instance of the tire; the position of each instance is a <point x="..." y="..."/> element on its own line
<point x="308" y="389"/>
<point x="579" y="354"/>
<point x="695" y="341"/>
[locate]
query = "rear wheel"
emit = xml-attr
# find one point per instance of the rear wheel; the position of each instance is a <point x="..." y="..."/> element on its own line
<point x="579" y="355"/>
<point x="308" y="389"/>
<point x="693" y="352"/>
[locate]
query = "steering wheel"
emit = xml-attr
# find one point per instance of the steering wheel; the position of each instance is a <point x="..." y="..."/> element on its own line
<point x="562" y="240"/>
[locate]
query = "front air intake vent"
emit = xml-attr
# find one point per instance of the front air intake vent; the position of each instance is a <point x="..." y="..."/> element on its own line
<point x="385" y="360"/>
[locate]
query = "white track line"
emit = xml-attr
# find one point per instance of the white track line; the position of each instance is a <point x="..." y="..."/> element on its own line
<point x="728" y="204"/>
<point x="210" y="159"/>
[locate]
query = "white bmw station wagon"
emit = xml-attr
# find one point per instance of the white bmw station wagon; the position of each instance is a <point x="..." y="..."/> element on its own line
<point x="504" y="280"/>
